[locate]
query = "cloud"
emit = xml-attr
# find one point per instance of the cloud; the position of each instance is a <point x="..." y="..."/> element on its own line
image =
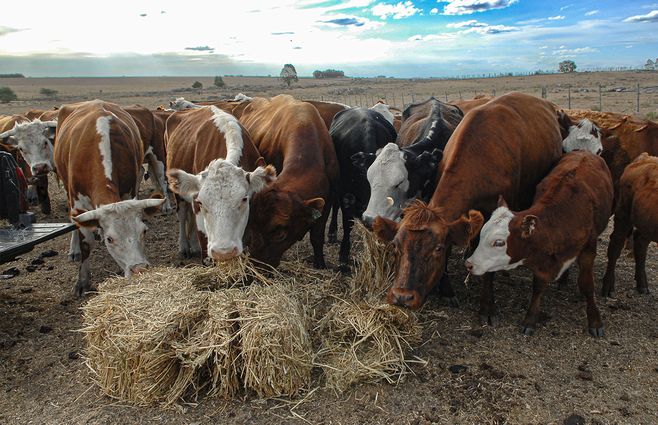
<point x="474" y="26"/>
<point x="143" y="15"/>
<point x="556" y="18"/>
<point x="397" y="11"/>
<point x="283" y="33"/>
<point x="434" y="11"/>
<point x="649" y="17"/>
<point x="563" y="51"/>
<point x="566" y="7"/>
<point x="466" y="7"/>
<point x="7" y="30"/>
<point x="201" y="49"/>
<point x="433" y="37"/>
<point x="345" y="22"/>
<point x="592" y="12"/>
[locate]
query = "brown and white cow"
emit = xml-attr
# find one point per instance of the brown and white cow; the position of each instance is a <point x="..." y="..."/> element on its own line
<point x="98" y="156"/>
<point x="571" y="209"/>
<point x="635" y="215"/>
<point x="483" y="159"/>
<point x="327" y="110"/>
<point x="290" y="135"/>
<point x="212" y="166"/>
<point x="42" y="114"/>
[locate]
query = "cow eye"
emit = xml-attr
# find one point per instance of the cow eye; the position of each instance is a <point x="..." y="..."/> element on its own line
<point x="109" y="239"/>
<point x="498" y="243"/>
<point x="279" y="235"/>
<point x="438" y="248"/>
<point x="245" y="199"/>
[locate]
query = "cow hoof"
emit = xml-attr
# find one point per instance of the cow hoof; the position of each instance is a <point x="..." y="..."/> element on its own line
<point x="319" y="265"/>
<point x="81" y="288"/>
<point x="31" y="195"/>
<point x="643" y="290"/>
<point x="527" y="330"/>
<point x="606" y="293"/>
<point x="331" y="238"/>
<point x="597" y="332"/>
<point x="453" y="301"/>
<point x="488" y="319"/>
<point x="75" y="257"/>
<point x="345" y="269"/>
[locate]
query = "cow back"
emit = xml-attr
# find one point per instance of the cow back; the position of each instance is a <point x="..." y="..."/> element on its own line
<point x="417" y="120"/>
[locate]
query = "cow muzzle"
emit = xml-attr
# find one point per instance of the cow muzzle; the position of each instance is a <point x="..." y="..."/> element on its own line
<point x="404" y="298"/>
<point x="139" y="268"/>
<point x="41" y="169"/>
<point x="219" y="254"/>
<point x="367" y="221"/>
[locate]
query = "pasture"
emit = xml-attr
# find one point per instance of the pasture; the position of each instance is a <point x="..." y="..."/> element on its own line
<point x="465" y="373"/>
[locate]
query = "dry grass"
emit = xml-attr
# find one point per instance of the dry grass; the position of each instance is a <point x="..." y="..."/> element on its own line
<point x="375" y="266"/>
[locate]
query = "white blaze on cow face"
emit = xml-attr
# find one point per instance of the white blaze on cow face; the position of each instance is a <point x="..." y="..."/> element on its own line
<point x="389" y="180"/>
<point x="241" y="96"/>
<point x="221" y="195"/>
<point x="228" y="125"/>
<point x="34" y="140"/>
<point x="583" y="136"/>
<point x="491" y="253"/>
<point x="180" y="104"/>
<point x="123" y="230"/>
<point x="384" y="109"/>
<point x="105" y="146"/>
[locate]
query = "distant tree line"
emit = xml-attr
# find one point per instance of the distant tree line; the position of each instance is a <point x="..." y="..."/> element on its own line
<point x="328" y="73"/>
<point x="12" y="76"/>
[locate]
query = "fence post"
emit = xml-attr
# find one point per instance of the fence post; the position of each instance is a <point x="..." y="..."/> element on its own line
<point x="543" y="92"/>
<point x="402" y="99"/>
<point x="638" y="98"/>
<point x="413" y="98"/>
<point x="460" y="95"/>
<point x="446" y="97"/>
<point x="569" y="98"/>
<point x="494" y="92"/>
<point x="600" y="99"/>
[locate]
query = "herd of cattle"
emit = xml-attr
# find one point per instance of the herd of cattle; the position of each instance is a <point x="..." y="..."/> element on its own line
<point x="514" y="178"/>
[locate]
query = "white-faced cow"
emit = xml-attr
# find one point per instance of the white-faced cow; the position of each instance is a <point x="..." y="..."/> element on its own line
<point x="213" y="169"/>
<point x="580" y="134"/>
<point x="98" y="156"/>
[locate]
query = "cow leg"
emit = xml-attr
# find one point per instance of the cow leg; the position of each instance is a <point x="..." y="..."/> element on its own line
<point x="183" y="241"/>
<point x="345" y="244"/>
<point x="74" y="247"/>
<point x="87" y="242"/>
<point x="640" y="247"/>
<point x="487" y="300"/>
<point x="529" y="324"/>
<point x="586" y="286"/>
<point x="42" y="194"/>
<point x="445" y="287"/>
<point x="333" y="225"/>
<point x="617" y="238"/>
<point x="157" y="170"/>
<point x="32" y="194"/>
<point x="203" y="246"/>
<point x="317" y="240"/>
<point x="563" y="281"/>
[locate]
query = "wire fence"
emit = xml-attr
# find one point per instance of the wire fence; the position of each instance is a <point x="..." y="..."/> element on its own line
<point x="632" y="100"/>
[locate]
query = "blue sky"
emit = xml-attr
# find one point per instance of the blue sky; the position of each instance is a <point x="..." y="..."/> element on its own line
<point x="409" y="38"/>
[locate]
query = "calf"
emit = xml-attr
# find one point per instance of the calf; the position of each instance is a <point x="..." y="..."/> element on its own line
<point x="571" y="209"/>
<point x="292" y="136"/>
<point x="355" y="133"/>
<point x="636" y="215"/>
<point x="98" y="156"/>
<point x="209" y="152"/>
<point x="483" y="159"/>
<point x="401" y="173"/>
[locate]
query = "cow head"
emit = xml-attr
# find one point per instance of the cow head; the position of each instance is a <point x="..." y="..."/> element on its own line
<point x="220" y="196"/>
<point x="421" y="241"/>
<point x="584" y="136"/>
<point x="278" y="219"/>
<point x="34" y="140"/>
<point x="123" y="229"/>
<point x="180" y="104"/>
<point x="384" y="110"/>
<point x="500" y="237"/>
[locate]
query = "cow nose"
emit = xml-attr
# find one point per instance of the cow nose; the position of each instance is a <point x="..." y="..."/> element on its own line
<point x="367" y="220"/>
<point x="220" y="254"/>
<point x="599" y="151"/>
<point x="469" y="266"/>
<point x="138" y="268"/>
<point x="40" y="169"/>
<point x="403" y="297"/>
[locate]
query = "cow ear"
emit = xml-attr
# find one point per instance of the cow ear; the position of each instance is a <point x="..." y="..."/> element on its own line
<point x="260" y="162"/>
<point x="260" y="178"/>
<point x="502" y="202"/>
<point x="184" y="184"/>
<point x="363" y="160"/>
<point x="84" y="218"/>
<point x="528" y="226"/>
<point x="385" y="229"/>
<point x="314" y="207"/>
<point x="464" y="229"/>
<point x="428" y="162"/>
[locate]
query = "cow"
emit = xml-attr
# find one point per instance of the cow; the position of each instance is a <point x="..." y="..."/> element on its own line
<point x="394" y="118"/>
<point x="180" y="104"/>
<point x="98" y="156"/>
<point x="636" y="215"/>
<point x="152" y="137"/>
<point x="34" y="141"/>
<point x="466" y="105"/>
<point x="482" y="160"/>
<point x="43" y="115"/>
<point x="327" y="110"/>
<point x="570" y="210"/>
<point x="407" y="170"/>
<point x="355" y="130"/>
<point x="580" y="135"/>
<point x="291" y="136"/>
<point x="212" y="169"/>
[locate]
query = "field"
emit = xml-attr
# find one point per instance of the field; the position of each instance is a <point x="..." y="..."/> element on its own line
<point x="506" y="377"/>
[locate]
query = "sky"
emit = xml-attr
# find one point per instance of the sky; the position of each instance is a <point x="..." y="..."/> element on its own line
<point x="410" y="38"/>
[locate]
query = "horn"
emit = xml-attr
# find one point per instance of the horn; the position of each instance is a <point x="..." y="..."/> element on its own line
<point x="149" y="203"/>
<point x="86" y="216"/>
<point x="52" y="123"/>
<point x="390" y="201"/>
<point x="8" y="133"/>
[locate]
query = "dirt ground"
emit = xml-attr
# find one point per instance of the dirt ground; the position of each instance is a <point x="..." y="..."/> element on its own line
<point x="506" y="377"/>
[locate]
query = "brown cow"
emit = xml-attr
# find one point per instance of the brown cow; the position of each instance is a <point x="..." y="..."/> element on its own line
<point x="467" y="105"/>
<point x="482" y="160"/>
<point x="635" y="214"/>
<point x="292" y="136"/>
<point x="212" y="145"/>
<point x="571" y="209"/>
<point x="42" y="114"/>
<point x="327" y="110"/>
<point x="99" y="158"/>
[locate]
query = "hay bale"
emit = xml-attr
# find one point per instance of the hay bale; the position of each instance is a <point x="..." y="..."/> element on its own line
<point x="366" y="341"/>
<point x="375" y="263"/>
<point x="276" y="350"/>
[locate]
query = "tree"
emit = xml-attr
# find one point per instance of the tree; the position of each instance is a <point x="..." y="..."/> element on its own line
<point x="197" y="85"/>
<point x="567" y="66"/>
<point x="48" y="92"/>
<point x="328" y="73"/>
<point x="219" y="81"/>
<point x="7" y="95"/>
<point x="650" y="65"/>
<point x="289" y="74"/>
